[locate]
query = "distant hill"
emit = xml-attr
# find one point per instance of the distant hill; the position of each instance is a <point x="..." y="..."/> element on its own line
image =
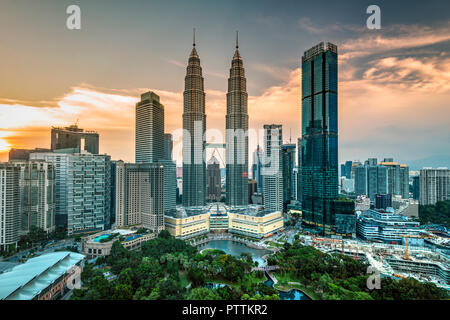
<point x="432" y="161"/>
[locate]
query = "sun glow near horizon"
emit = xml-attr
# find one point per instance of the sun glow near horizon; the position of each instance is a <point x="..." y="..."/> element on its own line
<point x="4" y="145"/>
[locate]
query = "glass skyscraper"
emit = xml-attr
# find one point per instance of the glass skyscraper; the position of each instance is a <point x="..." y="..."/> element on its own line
<point x="168" y="146"/>
<point x="299" y="170"/>
<point x="319" y="135"/>
<point x="386" y="177"/>
<point x="258" y="156"/>
<point x="82" y="190"/>
<point x="288" y="163"/>
<point x="236" y="134"/>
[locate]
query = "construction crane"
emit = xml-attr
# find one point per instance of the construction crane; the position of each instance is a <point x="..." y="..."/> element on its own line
<point x="407" y="236"/>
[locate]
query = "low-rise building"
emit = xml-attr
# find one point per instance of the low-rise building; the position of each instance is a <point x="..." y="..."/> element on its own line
<point x="185" y="224"/>
<point x="344" y="217"/>
<point x="419" y="265"/>
<point x="100" y="244"/>
<point x="258" y="226"/>
<point x="251" y="221"/>
<point x="46" y="277"/>
<point x="385" y="226"/>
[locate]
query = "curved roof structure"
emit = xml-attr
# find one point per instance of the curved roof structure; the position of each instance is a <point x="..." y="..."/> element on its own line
<point x="27" y="280"/>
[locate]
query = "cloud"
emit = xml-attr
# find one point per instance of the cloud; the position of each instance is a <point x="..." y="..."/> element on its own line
<point x="426" y="74"/>
<point x="393" y="38"/>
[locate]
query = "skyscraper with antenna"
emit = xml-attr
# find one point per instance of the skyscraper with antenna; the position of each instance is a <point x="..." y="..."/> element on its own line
<point x="236" y="133"/>
<point x="194" y="125"/>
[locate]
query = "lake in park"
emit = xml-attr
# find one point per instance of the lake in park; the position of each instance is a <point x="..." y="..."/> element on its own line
<point x="235" y="249"/>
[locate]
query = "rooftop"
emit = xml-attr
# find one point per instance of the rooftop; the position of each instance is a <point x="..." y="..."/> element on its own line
<point x="27" y="280"/>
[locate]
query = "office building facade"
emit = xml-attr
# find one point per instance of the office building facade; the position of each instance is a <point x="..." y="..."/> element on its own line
<point x="149" y="129"/>
<point x="416" y="187"/>
<point x="37" y="202"/>
<point x="258" y="156"/>
<point x="299" y="170"/>
<point x="82" y="190"/>
<point x="168" y="146"/>
<point x="385" y="226"/>
<point x="213" y="180"/>
<point x="288" y="165"/>
<point x="140" y="195"/>
<point x="383" y="201"/>
<point x="272" y="170"/>
<point x="434" y="185"/>
<point x="170" y="184"/>
<point x="344" y="217"/>
<point x="385" y="177"/>
<point x="9" y="206"/>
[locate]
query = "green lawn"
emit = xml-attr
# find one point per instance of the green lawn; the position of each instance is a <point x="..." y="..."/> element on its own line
<point x="184" y="281"/>
<point x="253" y="279"/>
<point x="274" y="244"/>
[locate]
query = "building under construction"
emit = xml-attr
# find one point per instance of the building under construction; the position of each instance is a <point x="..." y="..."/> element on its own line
<point x="429" y="262"/>
<point x="73" y="137"/>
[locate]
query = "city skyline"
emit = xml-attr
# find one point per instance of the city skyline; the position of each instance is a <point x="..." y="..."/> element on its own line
<point x="386" y="76"/>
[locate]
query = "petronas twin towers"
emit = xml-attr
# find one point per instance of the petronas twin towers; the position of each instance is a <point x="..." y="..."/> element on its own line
<point x="194" y="125"/>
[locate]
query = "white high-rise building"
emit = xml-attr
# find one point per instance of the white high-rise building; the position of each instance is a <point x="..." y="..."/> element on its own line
<point x="9" y="205"/>
<point x="272" y="168"/>
<point x="37" y="202"/>
<point x="140" y="195"/>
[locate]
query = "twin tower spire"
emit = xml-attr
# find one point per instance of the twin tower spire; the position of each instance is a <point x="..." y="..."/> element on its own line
<point x="237" y="39"/>
<point x="194" y="125"/>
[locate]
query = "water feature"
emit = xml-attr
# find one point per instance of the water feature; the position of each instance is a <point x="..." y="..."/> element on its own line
<point x="215" y="285"/>
<point x="103" y="236"/>
<point x="292" y="294"/>
<point x="235" y="249"/>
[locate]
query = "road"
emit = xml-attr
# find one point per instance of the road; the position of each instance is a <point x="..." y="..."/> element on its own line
<point x="50" y="248"/>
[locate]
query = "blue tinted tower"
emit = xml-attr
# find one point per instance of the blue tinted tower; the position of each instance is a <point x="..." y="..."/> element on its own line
<point x="319" y="136"/>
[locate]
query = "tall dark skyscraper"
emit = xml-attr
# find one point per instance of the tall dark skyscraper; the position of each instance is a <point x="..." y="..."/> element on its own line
<point x="299" y="170"/>
<point x="236" y="138"/>
<point x="288" y="162"/>
<point x="213" y="181"/>
<point x="319" y="135"/>
<point x="348" y="169"/>
<point x="258" y="156"/>
<point x="416" y="187"/>
<point x="74" y="137"/>
<point x="194" y="125"/>
<point x="168" y="146"/>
